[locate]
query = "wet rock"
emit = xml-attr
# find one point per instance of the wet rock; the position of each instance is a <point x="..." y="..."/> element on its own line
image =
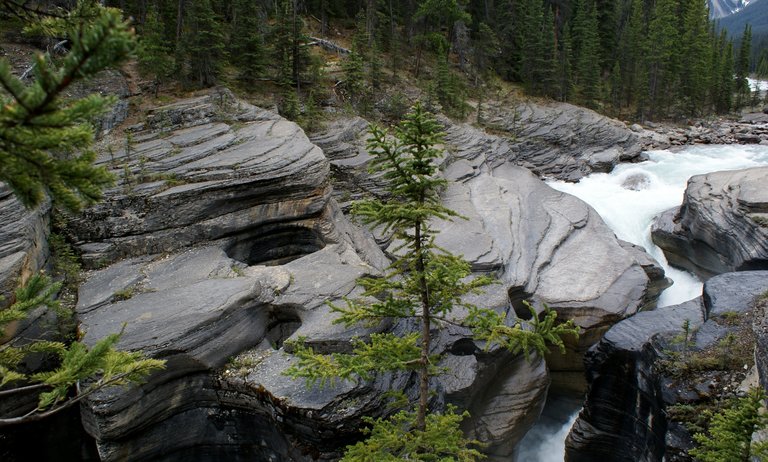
<point x="719" y="227"/>
<point x="624" y="417"/>
<point x="636" y="182"/>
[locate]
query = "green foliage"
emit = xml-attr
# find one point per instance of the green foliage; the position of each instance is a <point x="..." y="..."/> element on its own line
<point x="203" y="43"/>
<point x="155" y="55"/>
<point x="424" y="282"/>
<point x="38" y="291"/>
<point x="44" y="143"/>
<point x="94" y="368"/>
<point x="247" y="46"/>
<point x="742" y="68"/>
<point x="730" y="431"/>
<point x="397" y="438"/>
<point x="535" y="337"/>
<point x="44" y="139"/>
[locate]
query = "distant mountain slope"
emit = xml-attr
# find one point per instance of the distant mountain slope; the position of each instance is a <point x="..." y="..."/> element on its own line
<point x="722" y="8"/>
<point x="756" y="13"/>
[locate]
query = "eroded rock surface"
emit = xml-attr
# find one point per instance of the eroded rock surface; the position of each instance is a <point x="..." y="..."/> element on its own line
<point x="625" y="416"/>
<point x="223" y="243"/>
<point x="204" y="169"/>
<point x="23" y="242"/>
<point x="721" y="226"/>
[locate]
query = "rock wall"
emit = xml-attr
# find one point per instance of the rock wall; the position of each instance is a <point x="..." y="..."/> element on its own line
<point x="23" y="242"/>
<point x="721" y="226"/>
<point x="625" y="415"/>
<point x="205" y="169"/>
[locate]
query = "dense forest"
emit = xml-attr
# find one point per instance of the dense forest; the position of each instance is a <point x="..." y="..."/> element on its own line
<point x="641" y="59"/>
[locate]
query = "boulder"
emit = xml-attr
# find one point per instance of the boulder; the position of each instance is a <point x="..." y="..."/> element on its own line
<point x="544" y="245"/>
<point x="625" y="415"/>
<point x="562" y="141"/>
<point x="204" y="169"/>
<point x="721" y="226"/>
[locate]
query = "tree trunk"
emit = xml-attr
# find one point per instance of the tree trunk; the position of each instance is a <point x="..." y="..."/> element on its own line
<point x="179" y="20"/>
<point x="426" y="319"/>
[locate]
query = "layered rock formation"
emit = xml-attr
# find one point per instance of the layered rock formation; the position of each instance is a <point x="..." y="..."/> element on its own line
<point x="559" y="140"/>
<point x="545" y="245"/>
<point x="556" y="140"/>
<point x="721" y="226"/>
<point x="625" y="417"/>
<point x="223" y="243"/>
<point x="23" y="242"/>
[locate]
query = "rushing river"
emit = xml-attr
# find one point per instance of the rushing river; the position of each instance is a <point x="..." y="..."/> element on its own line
<point x="659" y="184"/>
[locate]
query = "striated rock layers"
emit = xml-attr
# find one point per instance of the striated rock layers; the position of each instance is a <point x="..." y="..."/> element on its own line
<point x="721" y="226"/>
<point x="625" y="416"/>
<point x="23" y="242"/>
<point x="222" y="243"/>
<point x="556" y="140"/>
<point x="545" y="246"/>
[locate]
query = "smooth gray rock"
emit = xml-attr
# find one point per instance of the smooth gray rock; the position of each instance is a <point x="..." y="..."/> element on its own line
<point x="203" y="169"/>
<point x="544" y="245"/>
<point x="721" y="225"/>
<point x="563" y="141"/>
<point x="199" y="307"/>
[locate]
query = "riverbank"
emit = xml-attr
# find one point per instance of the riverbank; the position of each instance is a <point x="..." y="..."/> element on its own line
<point x="750" y="128"/>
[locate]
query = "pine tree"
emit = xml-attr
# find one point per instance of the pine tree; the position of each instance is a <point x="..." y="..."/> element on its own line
<point x="695" y="75"/>
<point x="730" y="431"/>
<point x="585" y="34"/>
<point x="44" y="139"/>
<point x="663" y="44"/>
<point x="247" y="47"/>
<point x="722" y="91"/>
<point x="203" y="43"/>
<point x="742" y="68"/>
<point x="546" y="52"/>
<point x="423" y="283"/>
<point x="565" y="68"/>
<point x="154" y="52"/>
<point x="39" y="134"/>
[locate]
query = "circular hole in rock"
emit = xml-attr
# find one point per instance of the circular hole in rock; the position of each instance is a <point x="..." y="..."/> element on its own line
<point x="275" y="245"/>
<point x="282" y="324"/>
<point x="518" y="295"/>
<point x="463" y="347"/>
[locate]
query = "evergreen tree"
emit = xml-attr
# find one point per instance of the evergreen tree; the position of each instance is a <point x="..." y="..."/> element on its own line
<point x="203" y="43"/>
<point x="39" y="135"/>
<point x="695" y="74"/>
<point x="287" y="40"/>
<point x="423" y="283"/>
<point x="723" y="66"/>
<point x="585" y="31"/>
<point x="247" y="46"/>
<point x="742" y="68"/>
<point x="565" y="71"/>
<point x="546" y="52"/>
<point x="154" y="52"/>
<point x="663" y="44"/>
<point x="730" y="431"/>
<point x="45" y="139"/>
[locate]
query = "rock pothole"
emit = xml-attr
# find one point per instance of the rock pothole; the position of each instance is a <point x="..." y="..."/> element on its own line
<point x="273" y="245"/>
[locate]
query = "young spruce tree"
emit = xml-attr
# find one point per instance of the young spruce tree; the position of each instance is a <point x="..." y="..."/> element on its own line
<point x="424" y="283"/>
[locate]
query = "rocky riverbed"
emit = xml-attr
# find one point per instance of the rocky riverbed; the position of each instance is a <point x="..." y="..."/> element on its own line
<point x="224" y="237"/>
